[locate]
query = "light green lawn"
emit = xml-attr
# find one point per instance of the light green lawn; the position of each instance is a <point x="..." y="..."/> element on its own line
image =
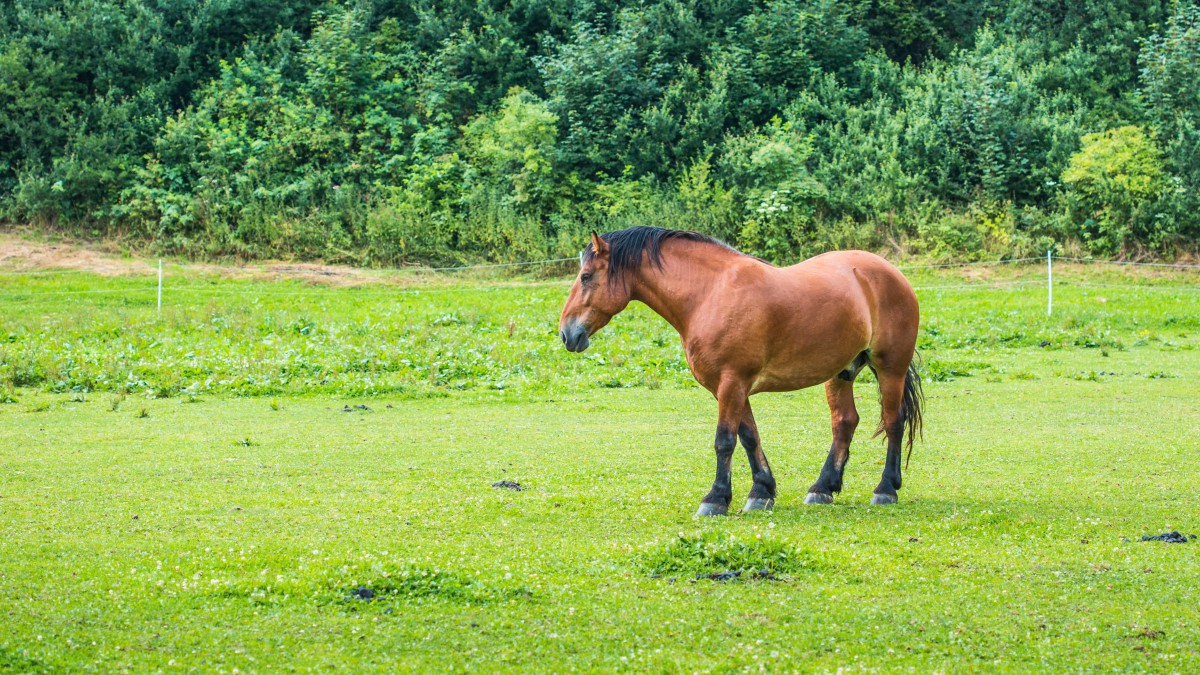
<point x="210" y="532"/>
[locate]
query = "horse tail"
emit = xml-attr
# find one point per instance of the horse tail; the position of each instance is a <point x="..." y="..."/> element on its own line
<point x="914" y="401"/>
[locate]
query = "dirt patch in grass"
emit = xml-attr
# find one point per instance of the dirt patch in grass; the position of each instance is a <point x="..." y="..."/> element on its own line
<point x="18" y="254"/>
<point x="23" y="255"/>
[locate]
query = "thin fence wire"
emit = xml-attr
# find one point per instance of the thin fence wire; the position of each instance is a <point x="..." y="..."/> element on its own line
<point x="550" y="261"/>
<point x="360" y="291"/>
<point x="27" y="294"/>
<point x="68" y="270"/>
<point x="983" y="285"/>
<point x="1130" y="263"/>
<point x="392" y="290"/>
<point x="313" y="290"/>
<point x="267" y="270"/>
<point x="1136" y="287"/>
<point x="980" y="263"/>
<point x="490" y="265"/>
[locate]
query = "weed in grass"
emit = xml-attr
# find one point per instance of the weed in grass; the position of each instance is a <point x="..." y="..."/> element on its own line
<point x="245" y="442"/>
<point x="143" y="413"/>
<point x="347" y="586"/>
<point x="717" y="552"/>
<point x="115" y="401"/>
<point x="16" y="660"/>
<point x="40" y="406"/>
<point x="8" y="395"/>
<point x="275" y="405"/>
<point x="948" y="371"/>
<point x="424" y="584"/>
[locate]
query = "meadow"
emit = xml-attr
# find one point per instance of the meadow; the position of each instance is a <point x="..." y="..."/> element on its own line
<point x="274" y="475"/>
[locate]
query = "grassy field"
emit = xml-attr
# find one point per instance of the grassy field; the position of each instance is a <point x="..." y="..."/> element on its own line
<point x="201" y="490"/>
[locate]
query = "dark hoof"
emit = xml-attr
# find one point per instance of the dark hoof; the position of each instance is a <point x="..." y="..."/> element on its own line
<point x="758" y="504"/>
<point x="881" y="499"/>
<point x="818" y="498"/>
<point x="707" y="509"/>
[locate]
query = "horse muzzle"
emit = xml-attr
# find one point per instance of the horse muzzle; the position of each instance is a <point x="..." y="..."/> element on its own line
<point x="574" y="337"/>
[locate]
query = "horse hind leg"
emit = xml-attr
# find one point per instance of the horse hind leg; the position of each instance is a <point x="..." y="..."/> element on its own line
<point x="839" y="392"/>
<point x="894" y="388"/>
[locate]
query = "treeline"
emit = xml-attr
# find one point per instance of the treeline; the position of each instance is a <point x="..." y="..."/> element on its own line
<point x="394" y="131"/>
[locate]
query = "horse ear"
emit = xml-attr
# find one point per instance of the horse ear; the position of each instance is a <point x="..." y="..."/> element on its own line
<point x="599" y="246"/>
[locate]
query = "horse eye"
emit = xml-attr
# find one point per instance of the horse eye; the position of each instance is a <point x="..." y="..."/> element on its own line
<point x="585" y="277"/>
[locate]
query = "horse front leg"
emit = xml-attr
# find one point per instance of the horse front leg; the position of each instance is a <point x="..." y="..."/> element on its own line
<point x="762" y="495"/>
<point x="844" y="418"/>
<point x="731" y="406"/>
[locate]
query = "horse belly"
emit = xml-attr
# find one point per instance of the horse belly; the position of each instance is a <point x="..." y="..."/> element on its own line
<point x="785" y="382"/>
<point x="808" y="362"/>
<point x="791" y="374"/>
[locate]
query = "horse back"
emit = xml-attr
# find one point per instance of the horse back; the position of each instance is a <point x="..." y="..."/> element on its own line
<point x="803" y="324"/>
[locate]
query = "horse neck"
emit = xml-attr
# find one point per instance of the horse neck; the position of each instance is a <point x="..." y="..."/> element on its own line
<point x="689" y="273"/>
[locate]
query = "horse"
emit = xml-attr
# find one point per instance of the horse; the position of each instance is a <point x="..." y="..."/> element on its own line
<point x="749" y="327"/>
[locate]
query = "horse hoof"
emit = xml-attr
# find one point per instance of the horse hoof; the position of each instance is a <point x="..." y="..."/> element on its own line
<point x="707" y="509"/>
<point x="818" y="498"/>
<point x="881" y="499"/>
<point x="758" y="504"/>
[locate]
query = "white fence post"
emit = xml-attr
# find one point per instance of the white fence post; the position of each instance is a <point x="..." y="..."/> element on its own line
<point x="1049" y="282"/>
<point x="160" y="286"/>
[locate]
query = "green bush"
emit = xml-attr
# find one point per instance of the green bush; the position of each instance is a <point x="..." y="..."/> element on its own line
<point x="1114" y="182"/>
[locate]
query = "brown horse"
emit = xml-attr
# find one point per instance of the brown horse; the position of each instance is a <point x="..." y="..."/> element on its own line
<point x="749" y="327"/>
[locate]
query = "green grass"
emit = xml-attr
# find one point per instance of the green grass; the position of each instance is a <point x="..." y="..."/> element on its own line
<point x="189" y="491"/>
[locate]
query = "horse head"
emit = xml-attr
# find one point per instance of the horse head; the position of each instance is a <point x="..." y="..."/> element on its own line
<point x="596" y="296"/>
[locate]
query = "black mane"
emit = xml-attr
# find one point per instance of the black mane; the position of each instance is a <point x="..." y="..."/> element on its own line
<point x="629" y="248"/>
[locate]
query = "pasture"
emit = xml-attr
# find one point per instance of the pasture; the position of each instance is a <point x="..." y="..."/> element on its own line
<point x="277" y="475"/>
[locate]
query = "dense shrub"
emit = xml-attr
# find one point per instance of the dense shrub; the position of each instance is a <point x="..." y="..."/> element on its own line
<point x="1114" y="183"/>
<point x="393" y="131"/>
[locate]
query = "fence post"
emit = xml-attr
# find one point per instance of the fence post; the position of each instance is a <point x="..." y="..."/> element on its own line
<point x="160" y="286"/>
<point x="1049" y="282"/>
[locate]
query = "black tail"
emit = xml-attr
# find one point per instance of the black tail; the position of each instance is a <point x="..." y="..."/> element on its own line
<point x="910" y="406"/>
<point x="914" y="400"/>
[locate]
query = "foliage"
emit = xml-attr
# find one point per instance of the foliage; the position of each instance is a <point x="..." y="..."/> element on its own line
<point x="515" y="147"/>
<point x="1112" y="179"/>
<point x="1170" y="79"/>
<point x="712" y="553"/>
<point x="768" y="169"/>
<point x="392" y="132"/>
